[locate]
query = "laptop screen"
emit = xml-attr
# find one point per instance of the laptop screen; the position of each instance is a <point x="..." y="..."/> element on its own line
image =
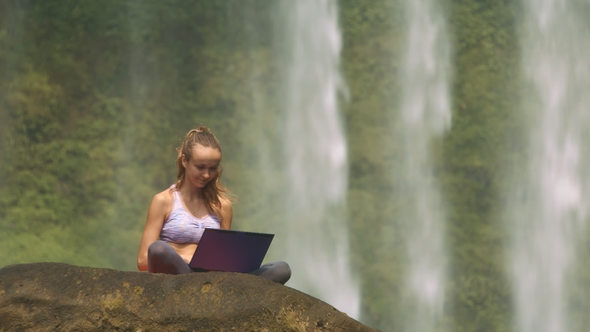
<point x="230" y="251"/>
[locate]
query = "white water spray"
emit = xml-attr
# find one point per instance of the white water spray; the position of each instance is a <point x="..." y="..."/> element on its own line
<point x="426" y="115"/>
<point x="316" y="156"/>
<point x="548" y="210"/>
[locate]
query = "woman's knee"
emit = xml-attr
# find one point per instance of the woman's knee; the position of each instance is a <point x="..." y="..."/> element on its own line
<point x="277" y="271"/>
<point x="284" y="271"/>
<point x="163" y="259"/>
<point x="159" y="249"/>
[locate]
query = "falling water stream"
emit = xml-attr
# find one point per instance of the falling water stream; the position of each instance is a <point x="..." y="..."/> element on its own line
<point x="426" y="115"/>
<point x="548" y="210"/>
<point x="316" y="156"/>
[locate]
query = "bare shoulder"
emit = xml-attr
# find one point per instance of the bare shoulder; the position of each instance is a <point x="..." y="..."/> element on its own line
<point x="226" y="212"/>
<point x="225" y="203"/>
<point x="163" y="200"/>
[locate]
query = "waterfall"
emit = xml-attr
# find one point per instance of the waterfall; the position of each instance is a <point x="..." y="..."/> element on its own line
<point x="315" y="154"/>
<point x="548" y="207"/>
<point x="425" y="114"/>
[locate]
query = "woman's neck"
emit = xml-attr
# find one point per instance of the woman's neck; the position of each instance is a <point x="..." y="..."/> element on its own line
<point x="191" y="194"/>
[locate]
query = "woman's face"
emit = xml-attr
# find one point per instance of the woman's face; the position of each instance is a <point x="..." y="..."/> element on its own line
<point x="203" y="166"/>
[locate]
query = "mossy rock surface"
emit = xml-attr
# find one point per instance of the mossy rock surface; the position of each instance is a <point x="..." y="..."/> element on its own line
<point x="54" y="296"/>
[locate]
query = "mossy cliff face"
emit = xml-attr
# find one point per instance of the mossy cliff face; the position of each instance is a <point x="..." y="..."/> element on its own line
<point x="51" y="296"/>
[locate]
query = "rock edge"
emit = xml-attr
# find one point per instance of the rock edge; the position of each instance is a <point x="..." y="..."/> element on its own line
<point x="55" y="296"/>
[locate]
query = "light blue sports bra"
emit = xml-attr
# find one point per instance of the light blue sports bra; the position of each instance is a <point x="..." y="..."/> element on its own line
<point x="181" y="226"/>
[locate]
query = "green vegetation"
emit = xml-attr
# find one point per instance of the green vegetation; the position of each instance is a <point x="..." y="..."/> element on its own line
<point x="95" y="96"/>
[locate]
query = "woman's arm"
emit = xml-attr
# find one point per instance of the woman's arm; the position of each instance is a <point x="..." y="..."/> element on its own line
<point x="226" y="213"/>
<point x="160" y="207"/>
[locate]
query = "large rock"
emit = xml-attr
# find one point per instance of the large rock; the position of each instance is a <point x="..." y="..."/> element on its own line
<point x="51" y="296"/>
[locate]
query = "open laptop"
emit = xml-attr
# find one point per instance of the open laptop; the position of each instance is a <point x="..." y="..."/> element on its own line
<point x="230" y="251"/>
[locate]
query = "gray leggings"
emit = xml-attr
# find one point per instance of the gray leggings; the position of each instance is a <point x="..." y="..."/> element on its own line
<point x="163" y="259"/>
